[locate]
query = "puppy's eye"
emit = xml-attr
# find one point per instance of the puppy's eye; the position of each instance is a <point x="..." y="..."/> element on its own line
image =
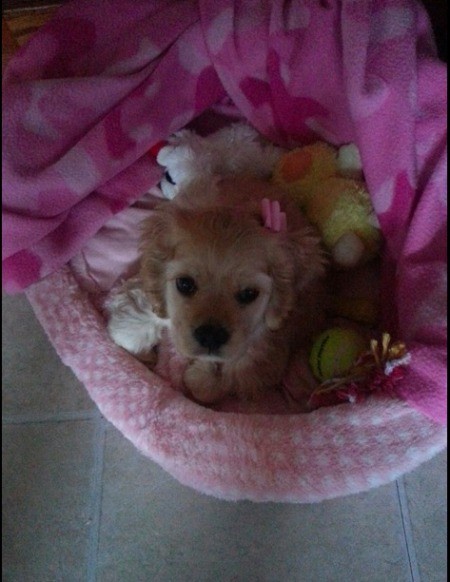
<point x="247" y="296"/>
<point x="186" y="286"/>
<point x="169" y="178"/>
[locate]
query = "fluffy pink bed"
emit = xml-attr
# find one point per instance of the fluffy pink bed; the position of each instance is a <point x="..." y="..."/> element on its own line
<point x="299" y="458"/>
<point x="100" y="84"/>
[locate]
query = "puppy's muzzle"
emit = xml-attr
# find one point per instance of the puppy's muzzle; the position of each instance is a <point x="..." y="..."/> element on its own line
<point x="211" y="337"/>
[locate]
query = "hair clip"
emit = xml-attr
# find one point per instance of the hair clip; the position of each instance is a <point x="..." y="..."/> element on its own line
<point x="273" y="218"/>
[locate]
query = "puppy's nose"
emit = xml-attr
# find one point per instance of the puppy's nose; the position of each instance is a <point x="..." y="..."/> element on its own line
<point x="211" y="336"/>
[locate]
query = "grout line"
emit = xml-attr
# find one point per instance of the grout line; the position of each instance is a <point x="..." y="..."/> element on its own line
<point x="95" y="502"/>
<point x="407" y="531"/>
<point x="37" y="417"/>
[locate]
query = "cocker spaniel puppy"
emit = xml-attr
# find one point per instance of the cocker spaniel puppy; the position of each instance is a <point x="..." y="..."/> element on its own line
<point x="240" y="290"/>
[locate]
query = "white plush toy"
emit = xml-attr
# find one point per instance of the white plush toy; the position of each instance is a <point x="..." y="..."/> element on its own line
<point x="235" y="149"/>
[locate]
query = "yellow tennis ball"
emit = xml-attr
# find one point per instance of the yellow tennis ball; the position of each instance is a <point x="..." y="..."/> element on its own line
<point x="334" y="352"/>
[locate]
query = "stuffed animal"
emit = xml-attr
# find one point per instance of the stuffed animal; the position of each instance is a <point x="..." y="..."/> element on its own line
<point x="234" y="149"/>
<point x="328" y="186"/>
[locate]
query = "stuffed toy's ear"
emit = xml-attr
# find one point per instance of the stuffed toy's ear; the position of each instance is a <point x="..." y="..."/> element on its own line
<point x="181" y="163"/>
<point x="168" y="157"/>
<point x="165" y="155"/>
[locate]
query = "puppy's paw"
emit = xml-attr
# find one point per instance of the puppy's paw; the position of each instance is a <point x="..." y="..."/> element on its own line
<point x="203" y="380"/>
<point x="132" y="323"/>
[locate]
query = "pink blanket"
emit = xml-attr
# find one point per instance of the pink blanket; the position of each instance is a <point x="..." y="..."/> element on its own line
<point x="101" y="83"/>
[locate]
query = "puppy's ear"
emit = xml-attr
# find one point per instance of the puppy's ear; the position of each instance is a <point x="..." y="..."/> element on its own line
<point x="157" y="249"/>
<point x="308" y="255"/>
<point x="281" y="270"/>
<point x="296" y="262"/>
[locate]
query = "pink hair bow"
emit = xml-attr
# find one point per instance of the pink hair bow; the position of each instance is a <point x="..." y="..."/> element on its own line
<point x="273" y="218"/>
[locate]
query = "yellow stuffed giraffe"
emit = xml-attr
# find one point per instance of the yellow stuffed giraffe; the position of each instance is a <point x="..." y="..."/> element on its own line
<point x="328" y="186"/>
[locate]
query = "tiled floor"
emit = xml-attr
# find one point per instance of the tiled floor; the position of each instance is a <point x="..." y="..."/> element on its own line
<point x="81" y="504"/>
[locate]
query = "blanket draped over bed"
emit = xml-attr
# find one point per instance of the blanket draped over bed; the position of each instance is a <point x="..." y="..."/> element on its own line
<point x="86" y="98"/>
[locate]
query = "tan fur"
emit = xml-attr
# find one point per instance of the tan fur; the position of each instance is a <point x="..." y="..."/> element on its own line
<point x="214" y="234"/>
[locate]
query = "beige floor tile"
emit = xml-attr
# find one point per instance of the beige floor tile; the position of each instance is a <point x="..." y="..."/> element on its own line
<point x="426" y="492"/>
<point x="47" y="471"/>
<point x="35" y="382"/>
<point x="155" y="529"/>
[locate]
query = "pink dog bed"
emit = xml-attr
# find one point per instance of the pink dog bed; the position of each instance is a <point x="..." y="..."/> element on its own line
<point x="301" y="457"/>
<point x="97" y="87"/>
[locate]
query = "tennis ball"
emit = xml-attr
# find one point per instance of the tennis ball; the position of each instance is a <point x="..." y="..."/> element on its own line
<point x="334" y="352"/>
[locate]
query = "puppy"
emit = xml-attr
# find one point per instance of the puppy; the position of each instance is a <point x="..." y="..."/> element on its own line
<point x="239" y="298"/>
